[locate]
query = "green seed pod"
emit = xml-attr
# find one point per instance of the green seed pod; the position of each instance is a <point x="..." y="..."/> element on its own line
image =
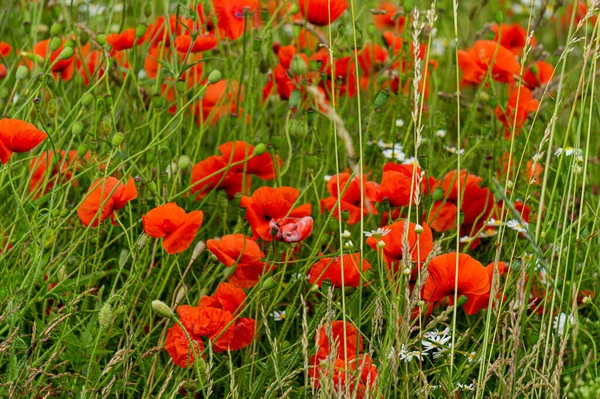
<point x="82" y="150"/>
<point x="295" y="98"/>
<point x="293" y="9"/>
<point x="152" y="187"/>
<point x="345" y="215"/>
<point x="268" y="284"/>
<point x="55" y="43"/>
<point x="105" y="126"/>
<point x="52" y="108"/>
<point x="22" y="72"/>
<point x="101" y="39"/>
<point x="87" y="100"/>
<point x="438" y="194"/>
<point x="215" y="76"/>
<point x="298" y="65"/>
<point x="183" y="162"/>
<point x="260" y="149"/>
<point x="382" y="98"/>
<point x="499" y="17"/>
<point x="461" y="300"/>
<point x="148" y="9"/>
<point x="105" y="316"/>
<point x="257" y="44"/>
<point x="66" y="53"/>
<point x="158" y="101"/>
<point x="180" y="86"/>
<point x="161" y="309"/>
<point x="77" y="128"/>
<point x="140" y="30"/>
<point x="117" y="139"/>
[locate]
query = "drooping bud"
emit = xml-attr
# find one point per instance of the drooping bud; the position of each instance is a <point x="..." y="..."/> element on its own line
<point x="161" y="309"/>
<point x="55" y="43"/>
<point x="117" y="139"/>
<point x="382" y="98"/>
<point x="66" y="53"/>
<point x="101" y="39"/>
<point x="198" y="249"/>
<point x="438" y="194"/>
<point x="87" y="100"/>
<point x="140" y="30"/>
<point x="148" y="9"/>
<point x="260" y="149"/>
<point x="215" y="76"/>
<point x="56" y="29"/>
<point x="461" y="300"/>
<point x="268" y="284"/>
<point x="77" y="128"/>
<point x="82" y="150"/>
<point x="152" y="187"/>
<point x="22" y="72"/>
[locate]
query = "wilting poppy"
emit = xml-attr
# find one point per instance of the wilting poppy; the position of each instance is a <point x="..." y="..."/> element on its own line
<point x="122" y="41"/>
<point x="472" y="279"/>
<point x="172" y="223"/>
<point x="231" y="18"/>
<point x="104" y="198"/>
<point x="341" y="271"/>
<point x="418" y="245"/>
<point x="268" y="203"/>
<point x="62" y="68"/>
<point x="18" y="136"/>
<point x="350" y="197"/>
<point x="322" y="12"/>
<point x="243" y="253"/>
<point x="512" y="36"/>
<point x="478" y="302"/>
<point x="485" y="54"/>
<point x="520" y="104"/>
<point x="291" y="229"/>
<point x="538" y="74"/>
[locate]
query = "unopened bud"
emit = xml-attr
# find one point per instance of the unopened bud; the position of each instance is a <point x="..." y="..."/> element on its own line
<point x="56" y="29"/>
<point x="82" y="150"/>
<point x="117" y="139"/>
<point x="158" y="101"/>
<point x="345" y="215"/>
<point x="260" y="149"/>
<point x="140" y="30"/>
<point x="499" y="17"/>
<point x="66" y="53"/>
<point x="148" y="9"/>
<point x="268" y="284"/>
<point x="161" y="309"/>
<point x="180" y="86"/>
<point x="142" y="241"/>
<point x="152" y="187"/>
<point x="77" y="128"/>
<point x="382" y="98"/>
<point x="298" y="65"/>
<point x="198" y="249"/>
<point x="105" y="316"/>
<point x="418" y="228"/>
<point x="215" y="76"/>
<point x="438" y="194"/>
<point x="62" y="274"/>
<point x="461" y="300"/>
<point x="101" y="39"/>
<point x="257" y="44"/>
<point x="183" y="162"/>
<point x="87" y="100"/>
<point x="181" y="294"/>
<point x="52" y="108"/>
<point x="22" y="72"/>
<point x="55" y="43"/>
<point x="293" y="9"/>
<point x="295" y="98"/>
<point x="105" y="126"/>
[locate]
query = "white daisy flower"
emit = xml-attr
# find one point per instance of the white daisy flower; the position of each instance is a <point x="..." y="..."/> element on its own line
<point x="466" y="239"/>
<point x="408" y="356"/>
<point x="561" y="321"/>
<point x="399" y="122"/>
<point x="517" y="226"/>
<point x="465" y="387"/>
<point x="346" y="234"/>
<point x="569" y="151"/>
<point x="380" y="232"/>
<point x="411" y="161"/>
<point x="383" y="144"/>
<point x="327" y="177"/>
<point x="441" y="133"/>
<point x="470" y="356"/>
<point x="454" y="150"/>
<point x="487" y="233"/>
<point x="278" y="315"/>
<point x="494" y="223"/>
<point x="394" y="153"/>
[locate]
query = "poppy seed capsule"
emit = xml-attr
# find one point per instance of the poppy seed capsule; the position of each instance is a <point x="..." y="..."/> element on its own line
<point x="87" y="100"/>
<point x="117" y="139"/>
<point x="260" y="149"/>
<point x="161" y="309"/>
<point x="297" y="65"/>
<point x="55" y="43"/>
<point x="77" y="128"/>
<point x="22" y="72"/>
<point x="215" y="76"/>
<point x="101" y="39"/>
<point x="66" y="53"/>
<point x="180" y="86"/>
<point x="382" y="98"/>
<point x="268" y="284"/>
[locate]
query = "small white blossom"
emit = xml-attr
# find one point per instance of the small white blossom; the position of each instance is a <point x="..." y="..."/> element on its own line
<point x="327" y="177"/>
<point x="440" y="133"/>
<point x="466" y="239"/>
<point x="349" y="244"/>
<point x="454" y="150"/>
<point x="561" y="321"/>
<point x="380" y="232"/>
<point x="278" y="315"/>
<point x="346" y="234"/>
<point x="568" y="151"/>
<point x="487" y="233"/>
<point x="465" y="387"/>
<point x="399" y="122"/>
<point x="494" y="223"/>
<point x="408" y="356"/>
<point x="516" y="226"/>
<point x="411" y="161"/>
<point x="470" y="356"/>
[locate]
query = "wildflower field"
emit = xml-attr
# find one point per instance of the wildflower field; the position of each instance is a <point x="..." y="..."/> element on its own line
<point x="299" y="199"/>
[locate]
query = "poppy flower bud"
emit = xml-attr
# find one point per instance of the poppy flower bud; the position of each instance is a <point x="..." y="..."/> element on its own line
<point x="108" y="100"/>
<point x="50" y="238"/>
<point x="117" y="139"/>
<point x="52" y="108"/>
<point x="22" y="72"/>
<point x="268" y="284"/>
<point x="418" y="228"/>
<point x="77" y="128"/>
<point x="142" y="241"/>
<point x="82" y="150"/>
<point x="152" y="187"/>
<point x="56" y="29"/>
<point x="105" y="126"/>
<point x="215" y="76"/>
<point x="276" y="141"/>
<point x="438" y="194"/>
<point x="180" y="86"/>
<point x="161" y="309"/>
<point x="64" y="212"/>
<point x="297" y="65"/>
<point x="148" y="9"/>
<point x="105" y="316"/>
<point x="157" y="101"/>
<point x="164" y="177"/>
<point x="260" y="149"/>
<point x="70" y="43"/>
<point x="101" y="39"/>
<point x="461" y="300"/>
<point x="345" y="215"/>
<point x="198" y="249"/>
<point x="499" y="17"/>
<point x="55" y="43"/>
<point x="257" y="44"/>
<point x="181" y="294"/>
<point x="382" y="97"/>
<point x="183" y="162"/>
<point x="66" y="53"/>
<point x="295" y="98"/>
<point x="140" y="30"/>
<point x="62" y="274"/>
<point x="87" y="100"/>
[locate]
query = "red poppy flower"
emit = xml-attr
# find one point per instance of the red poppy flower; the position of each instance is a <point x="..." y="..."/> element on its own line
<point x="219" y="100"/>
<point x="18" y="136"/>
<point x="185" y="43"/>
<point x="202" y="182"/>
<point x="581" y="11"/>
<point x="399" y="187"/>
<point x="386" y="17"/>
<point x="472" y="280"/>
<point x="104" y="198"/>
<point x="122" y="41"/>
<point x="5" y="49"/>
<point x="478" y="302"/>
<point x="442" y="216"/>
<point x="258" y="165"/>
<point x="322" y="12"/>
<point x="62" y="68"/>
<point x="178" y="346"/>
<point x="346" y="268"/>
<point x="419" y="245"/>
<point x="3" y="71"/>
<point x="291" y="229"/>
<point x="47" y="169"/>
<point x="513" y="37"/>
<point x="520" y="104"/>
<point x="344" y="77"/>
<point x="371" y="57"/>
<point x="172" y="223"/>
<point x="345" y="340"/>
<point x="160" y="31"/>
<point x="268" y="203"/>
<point x="350" y="200"/>
<point x="356" y="375"/>
<point x="243" y="253"/>
<point x="538" y="74"/>
<point x="485" y="54"/>
<point x="230" y="16"/>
